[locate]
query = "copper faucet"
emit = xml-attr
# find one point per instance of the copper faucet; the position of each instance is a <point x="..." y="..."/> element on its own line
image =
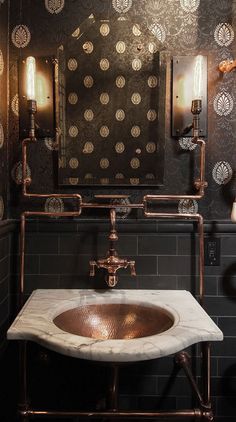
<point x="112" y="262"/>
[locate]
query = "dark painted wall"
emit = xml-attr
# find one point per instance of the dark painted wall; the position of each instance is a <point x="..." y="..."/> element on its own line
<point x="3" y="108"/>
<point x="181" y="27"/>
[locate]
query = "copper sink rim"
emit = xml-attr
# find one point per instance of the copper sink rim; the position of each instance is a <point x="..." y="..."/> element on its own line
<point x="74" y="303"/>
<point x="171" y="312"/>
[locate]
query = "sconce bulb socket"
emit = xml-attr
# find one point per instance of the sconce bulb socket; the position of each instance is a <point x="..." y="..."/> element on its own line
<point x="233" y="212"/>
<point x="32" y="106"/>
<point x="196" y="106"/>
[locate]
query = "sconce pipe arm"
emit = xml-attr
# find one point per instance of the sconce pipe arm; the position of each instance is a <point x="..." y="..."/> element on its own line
<point x="27" y="180"/>
<point x="201" y="183"/>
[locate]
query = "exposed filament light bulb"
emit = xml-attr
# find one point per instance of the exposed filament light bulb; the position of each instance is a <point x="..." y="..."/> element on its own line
<point x="30" y="78"/>
<point x="198" y="78"/>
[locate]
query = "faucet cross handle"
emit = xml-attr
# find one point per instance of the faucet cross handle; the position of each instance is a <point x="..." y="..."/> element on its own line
<point x="132" y="267"/>
<point x="92" y="264"/>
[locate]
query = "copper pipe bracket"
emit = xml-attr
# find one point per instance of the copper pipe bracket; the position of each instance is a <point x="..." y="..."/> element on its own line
<point x="182" y="359"/>
<point x="227" y="66"/>
<point x="27" y="181"/>
<point x="200" y="185"/>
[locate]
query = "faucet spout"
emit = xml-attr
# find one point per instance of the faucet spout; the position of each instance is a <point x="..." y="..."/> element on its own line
<point x="112" y="280"/>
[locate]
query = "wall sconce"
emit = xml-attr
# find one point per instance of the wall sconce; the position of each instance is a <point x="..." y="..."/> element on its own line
<point x="227" y="65"/>
<point x="36" y="97"/>
<point x="189" y="95"/>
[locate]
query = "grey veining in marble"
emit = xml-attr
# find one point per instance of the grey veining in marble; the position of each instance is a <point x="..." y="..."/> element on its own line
<point x="191" y="324"/>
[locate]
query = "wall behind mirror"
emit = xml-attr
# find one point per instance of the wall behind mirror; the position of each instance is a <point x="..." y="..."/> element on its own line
<point x="112" y="105"/>
<point x="181" y="28"/>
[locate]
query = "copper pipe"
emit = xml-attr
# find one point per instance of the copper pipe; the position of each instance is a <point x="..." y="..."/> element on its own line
<point x="111" y="206"/>
<point x="113" y="399"/>
<point x="197" y="413"/>
<point x="23" y="403"/>
<point x="206" y="372"/>
<point x="200" y="184"/>
<point x="52" y="214"/>
<point x="196" y="109"/>
<point x="111" y="196"/>
<point x="183" y="360"/>
<point x="113" y="237"/>
<point x="201" y="259"/>
<point x="22" y="259"/>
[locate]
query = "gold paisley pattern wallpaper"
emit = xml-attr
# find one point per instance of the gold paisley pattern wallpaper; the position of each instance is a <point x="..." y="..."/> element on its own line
<point x="180" y="27"/>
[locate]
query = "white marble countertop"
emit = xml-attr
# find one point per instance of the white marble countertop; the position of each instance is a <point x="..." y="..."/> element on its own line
<point x="191" y="324"/>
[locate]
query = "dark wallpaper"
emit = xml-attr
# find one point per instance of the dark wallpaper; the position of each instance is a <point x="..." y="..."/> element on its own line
<point x="3" y="108"/>
<point x="182" y="28"/>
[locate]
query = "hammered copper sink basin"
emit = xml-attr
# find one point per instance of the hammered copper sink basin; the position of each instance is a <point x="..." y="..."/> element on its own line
<point x="115" y="321"/>
<point x="113" y="325"/>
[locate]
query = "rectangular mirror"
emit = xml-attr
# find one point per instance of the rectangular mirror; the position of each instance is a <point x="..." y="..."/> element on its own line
<point x="111" y="83"/>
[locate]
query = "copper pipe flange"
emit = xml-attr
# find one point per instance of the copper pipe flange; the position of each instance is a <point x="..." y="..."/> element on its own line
<point x="27" y="181"/>
<point x="182" y="359"/>
<point x="23" y="412"/>
<point x="198" y="184"/>
<point x="227" y="65"/>
<point x="208" y="415"/>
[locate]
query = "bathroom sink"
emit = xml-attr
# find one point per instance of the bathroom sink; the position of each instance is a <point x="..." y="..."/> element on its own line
<point x="115" y="321"/>
<point x="114" y="325"/>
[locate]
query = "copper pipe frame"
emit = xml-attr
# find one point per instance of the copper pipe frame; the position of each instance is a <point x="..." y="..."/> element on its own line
<point x="184" y="361"/>
<point x="193" y="413"/>
<point x="204" y="412"/>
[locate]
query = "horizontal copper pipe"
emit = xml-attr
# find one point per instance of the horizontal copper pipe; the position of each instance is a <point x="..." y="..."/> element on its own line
<point x="197" y="413"/>
<point x="167" y="215"/>
<point x="170" y="197"/>
<point x="52" y="214"/>
<point x="110" y="206"/>
<point x="111" y="196"/>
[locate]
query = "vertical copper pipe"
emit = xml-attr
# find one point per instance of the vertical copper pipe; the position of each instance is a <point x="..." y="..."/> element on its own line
<point x="183" y="360"/>
<point x="113" y="399"/>
<point x="22" y="259"/>
<point x="202" y="164"/>
<point x="23" y="396"/>
<point x="201" y="184"/>
<point x="201" y="258"/>
<point x="206" y="372"/>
